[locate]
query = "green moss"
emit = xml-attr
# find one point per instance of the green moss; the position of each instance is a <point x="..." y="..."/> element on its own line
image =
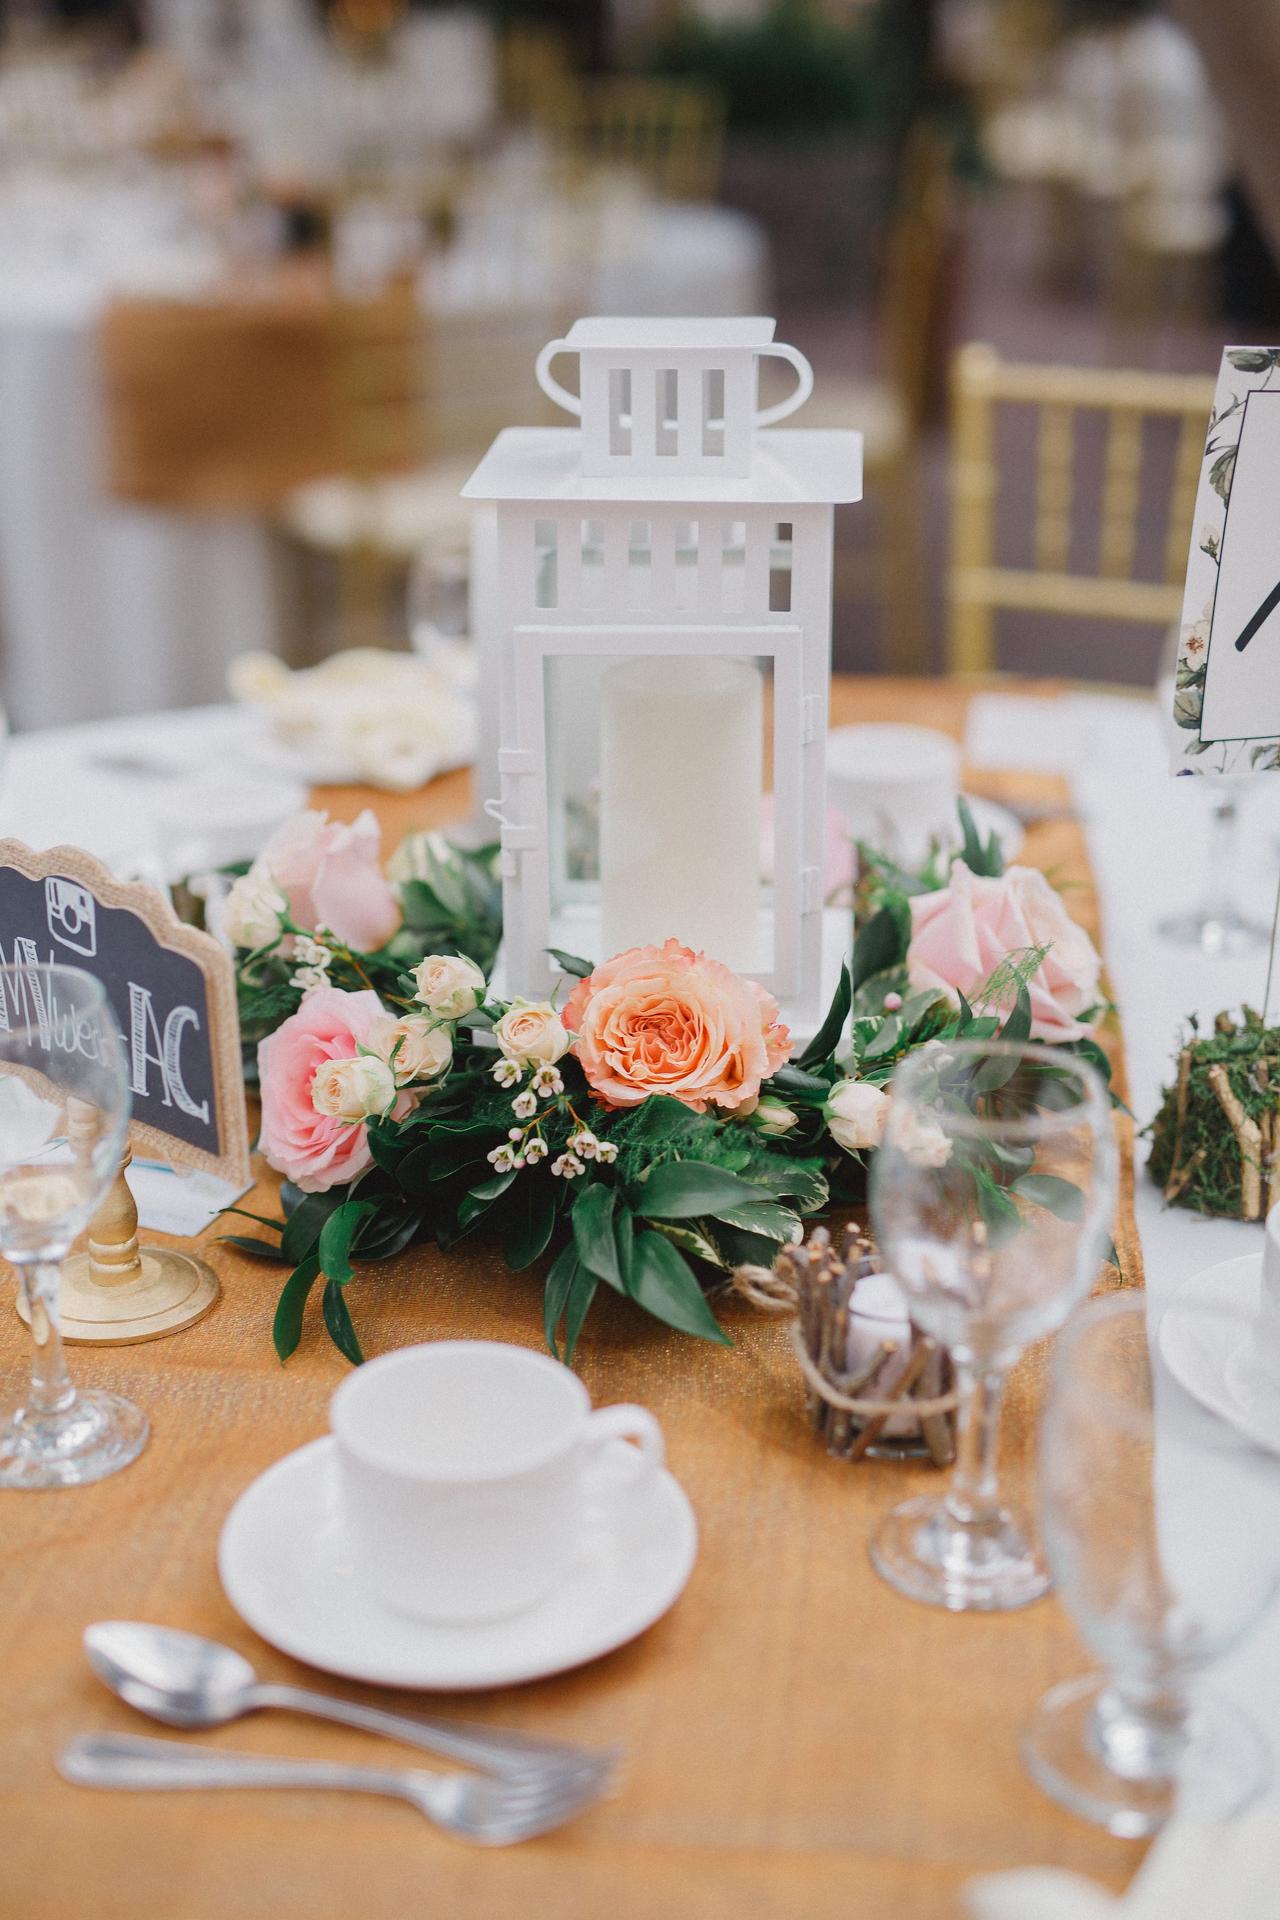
<point x="1250" y="1053"/>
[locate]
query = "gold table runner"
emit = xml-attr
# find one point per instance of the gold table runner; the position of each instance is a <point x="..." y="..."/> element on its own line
<point x="801" y="1740"/>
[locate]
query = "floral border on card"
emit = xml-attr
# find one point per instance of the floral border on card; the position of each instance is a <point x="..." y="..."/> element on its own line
<point x="1244" y="370"/>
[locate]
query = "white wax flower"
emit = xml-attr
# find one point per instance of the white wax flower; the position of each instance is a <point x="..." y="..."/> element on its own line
<point x="449" y="984"/>
<point x="856" y="1113"/>
<point x="422" y="1048"/>
<point x="253" y="909"/>
<point x="353" y="1090"/>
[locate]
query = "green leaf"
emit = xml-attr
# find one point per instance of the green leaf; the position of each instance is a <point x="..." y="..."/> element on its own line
<point x="555" y="1294"/>
<point x="593" y="1235"/>
<point x="531" y="1222"/>
<point x="999" y="1210"/>
<point x="662" y="1118"/>
<point x="260" y="1249"/>
<point x="276" y="1226"/>
<point x="581" y="1294"/>
<point x="481" y="1198"/>
<point x="796" y="1083"/>
<point x="386" y="1233"/>
<point x="571" y="963"/>
<point x="664" y="1284"/>
<point x="803" y="1182"/>
<point x="879" y="945"/>
<point x="827" y="1038"/>
<point x="766" y="1218"/>
<point x="337" y="1319"/>
<point x="1049" y="1190"/>
<point x="885" y="1041"/>
<point x="682" y="1189"/>
<point x="981" y="856"/>
<point x="286" y="1329"/>
<point x="1017" y="1027"/>
<point x="302" y="1231"/>
<point x="336" y="1236"/>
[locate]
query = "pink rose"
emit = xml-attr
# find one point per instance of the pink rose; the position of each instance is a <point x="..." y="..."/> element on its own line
<point x="315" y="1150"/>
<point x="668" y="1020"/>
<point x="333" y="879"/>
<point x="960" y="935"/>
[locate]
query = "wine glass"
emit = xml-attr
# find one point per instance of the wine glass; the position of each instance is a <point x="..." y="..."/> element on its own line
<point x="64" y="1106"/>
<point x="1216" y="924"/>
<point x="1165" y="1554"/>
<point x="991" y="1195"/>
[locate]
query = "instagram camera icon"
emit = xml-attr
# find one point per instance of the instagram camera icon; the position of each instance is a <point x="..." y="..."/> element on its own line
<point x="72" y="915"/>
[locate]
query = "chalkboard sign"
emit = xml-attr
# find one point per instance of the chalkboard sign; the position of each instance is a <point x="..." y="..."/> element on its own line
<point x="1226" y="693"/>
<point x="172" y="989"/>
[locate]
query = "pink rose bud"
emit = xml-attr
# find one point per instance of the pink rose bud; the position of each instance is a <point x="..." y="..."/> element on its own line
<point x="892" y="1001"/>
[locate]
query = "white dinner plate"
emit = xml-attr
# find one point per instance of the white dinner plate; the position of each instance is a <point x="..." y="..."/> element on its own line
<point x="1207" y="1339"/>
<point x="288" y="1570"/>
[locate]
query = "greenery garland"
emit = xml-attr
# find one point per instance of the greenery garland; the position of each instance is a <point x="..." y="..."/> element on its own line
<point x="654" y="1201"/>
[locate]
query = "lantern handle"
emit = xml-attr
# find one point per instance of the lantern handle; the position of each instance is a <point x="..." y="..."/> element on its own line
<point x="571" y="402"/>
<point x="803" y="387"/>
<point x="494" y="810"/>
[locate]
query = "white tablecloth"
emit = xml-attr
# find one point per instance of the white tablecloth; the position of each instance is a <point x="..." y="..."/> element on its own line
<point x="1147" y="839"/>
<point x="109" y="609"/>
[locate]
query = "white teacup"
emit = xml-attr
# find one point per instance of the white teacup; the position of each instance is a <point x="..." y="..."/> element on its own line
<point x="467" y="1470"/>
<point x="894" y="786"/>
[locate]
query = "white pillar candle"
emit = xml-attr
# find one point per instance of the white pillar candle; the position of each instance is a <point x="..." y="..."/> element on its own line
<point x="681" y="773"/>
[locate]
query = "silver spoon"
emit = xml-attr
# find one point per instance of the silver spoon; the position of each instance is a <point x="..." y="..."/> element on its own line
<point x="186" y="1681"/>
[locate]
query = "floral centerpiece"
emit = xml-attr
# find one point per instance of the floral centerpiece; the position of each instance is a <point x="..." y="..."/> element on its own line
<point x="656" y="1128"/>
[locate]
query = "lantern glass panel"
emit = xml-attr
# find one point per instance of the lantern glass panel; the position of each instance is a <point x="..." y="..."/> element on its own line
<point x="657" y="764"/>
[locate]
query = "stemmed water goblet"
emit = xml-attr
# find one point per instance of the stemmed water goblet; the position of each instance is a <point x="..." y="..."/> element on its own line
<point x="64" y="1106"/>
<point x="1165" y="1552"/>
<point x="991" y="1195"/>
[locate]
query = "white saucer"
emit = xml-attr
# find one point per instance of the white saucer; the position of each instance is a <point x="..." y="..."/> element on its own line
<point x="286" y="1569"/>
<point x="1207" y="1339"/>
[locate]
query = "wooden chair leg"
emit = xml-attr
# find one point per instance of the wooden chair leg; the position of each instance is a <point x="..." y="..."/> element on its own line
<point x="901" y="571"/>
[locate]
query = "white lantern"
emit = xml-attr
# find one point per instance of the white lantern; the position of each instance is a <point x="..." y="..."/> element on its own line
<point x="654" y="610"/>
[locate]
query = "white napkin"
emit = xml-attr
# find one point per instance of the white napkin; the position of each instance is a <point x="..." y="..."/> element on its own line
<point x="1195" y="1871"/>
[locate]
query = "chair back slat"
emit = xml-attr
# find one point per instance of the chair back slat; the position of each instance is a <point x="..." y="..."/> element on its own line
<point x="1063" y="399"/>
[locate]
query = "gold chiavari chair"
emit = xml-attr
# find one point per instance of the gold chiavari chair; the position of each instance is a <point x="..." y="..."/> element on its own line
<point x="535" y="71"/>
<point x="670" y="133"/>
<point x="980" y="587"/>
<point x="892" y="410"/>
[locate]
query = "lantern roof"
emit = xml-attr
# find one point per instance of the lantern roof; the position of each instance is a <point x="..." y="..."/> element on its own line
<point x="666" y="335"/>
<point x="814" y="466"/>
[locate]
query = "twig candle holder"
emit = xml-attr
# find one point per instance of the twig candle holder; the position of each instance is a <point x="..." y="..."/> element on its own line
<point x="877" y="1386"/>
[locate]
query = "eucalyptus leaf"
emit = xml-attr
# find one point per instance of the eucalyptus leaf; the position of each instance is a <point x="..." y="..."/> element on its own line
<point x="302" y="1230"/>
<point x="257" y="1249"/>
<point x="571" y="963"/>
<point x="336" y="1236"/>
<point x="1049" y="1190"/>
<point x="665" y="1285"/>
<point x="593" y="1234"/>
<point x="827" y="1038"/>
<point x="286" y="1330"/>
<point x="555" y="1293"/>
<point x="683" y="1189"/>
<point x="531" y="1221"/>
<point x="337" y="1318"/>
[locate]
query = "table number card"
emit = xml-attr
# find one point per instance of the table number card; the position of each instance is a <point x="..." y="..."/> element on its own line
<point x="172" y="989"/>
<point x="1226" y="703"/>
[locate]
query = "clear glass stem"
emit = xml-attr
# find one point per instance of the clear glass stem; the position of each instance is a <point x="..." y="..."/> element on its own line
<point x="1224" y="820"/>
<point x="1139" y="1729"/>
<point x="51" y="1388"/>
<point x="973" y="1495"/>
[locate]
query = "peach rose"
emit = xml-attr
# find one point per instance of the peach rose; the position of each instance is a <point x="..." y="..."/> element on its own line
<point x="332" y="878"/>
<point x="668" y="1020"/>
<point x="961" y="934"/>
<point x="315" y="1150"/>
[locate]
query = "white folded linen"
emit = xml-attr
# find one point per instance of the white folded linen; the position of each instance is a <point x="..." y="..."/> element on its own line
<point x="1195" y="1871"/>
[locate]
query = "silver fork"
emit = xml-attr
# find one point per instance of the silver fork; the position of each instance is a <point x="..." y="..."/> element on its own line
<point x="490" y="1812"/>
